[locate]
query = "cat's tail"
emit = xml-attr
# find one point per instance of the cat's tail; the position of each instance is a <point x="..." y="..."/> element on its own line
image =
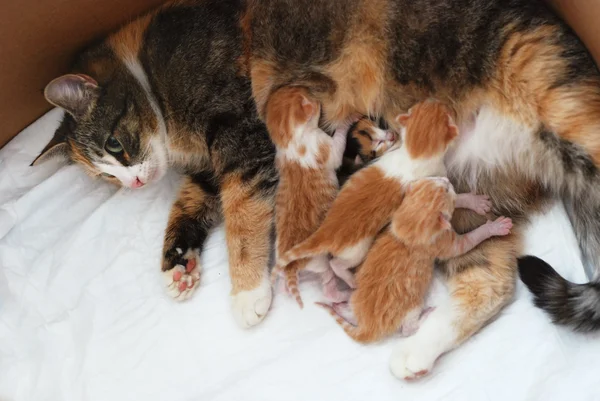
<point x="568" y="304"/>
<point x="357" y="333"/>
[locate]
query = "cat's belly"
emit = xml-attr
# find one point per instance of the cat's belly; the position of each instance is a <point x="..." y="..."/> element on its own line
<point x="491" y="144"/>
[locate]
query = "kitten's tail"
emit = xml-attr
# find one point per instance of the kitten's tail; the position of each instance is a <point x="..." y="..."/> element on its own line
<point x="357" y="333"/>
<point x="569" y="304"/>
<point x="291" y="281"/>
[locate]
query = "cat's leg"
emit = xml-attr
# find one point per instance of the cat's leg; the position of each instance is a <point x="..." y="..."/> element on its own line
<point x="248" y="212"/>
<point x="480" y="283"/>
<point x="196" y="210"/>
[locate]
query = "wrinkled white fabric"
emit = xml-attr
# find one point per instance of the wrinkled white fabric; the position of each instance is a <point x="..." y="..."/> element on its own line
<point x="83" y="314"/>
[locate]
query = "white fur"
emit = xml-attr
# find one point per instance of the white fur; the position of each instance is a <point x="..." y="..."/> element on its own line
<point x="155" y="164"/>
<point x="495" y="142"/>
<point x="415" y="356"/>
<point x="398" y="164"/>
<point x="306" y="137"/>
<point x="356" y="253"/>
<point x="251" y="307"/>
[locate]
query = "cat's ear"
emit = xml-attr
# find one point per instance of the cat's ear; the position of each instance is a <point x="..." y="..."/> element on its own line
<point x="75" y="93"/>
<point x="56" y="148"/>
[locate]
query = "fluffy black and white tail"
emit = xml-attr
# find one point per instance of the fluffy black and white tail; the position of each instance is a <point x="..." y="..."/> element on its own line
<point x="569" y="304"/>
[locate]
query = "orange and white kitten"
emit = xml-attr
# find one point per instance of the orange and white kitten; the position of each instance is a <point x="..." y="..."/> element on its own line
<point x="307" y="159"/>
<point x="367" y="200"/>
<point x="394" y="278"/>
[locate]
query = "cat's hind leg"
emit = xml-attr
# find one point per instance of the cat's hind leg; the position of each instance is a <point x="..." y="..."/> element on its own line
<point x="481" y="283"/>
<point x="195" y="211"/>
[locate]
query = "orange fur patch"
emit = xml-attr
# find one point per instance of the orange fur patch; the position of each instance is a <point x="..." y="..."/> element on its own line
<point x="248" y="220"/>
<point x="429" y="129"/>
<point x="287" y="108"/>
<point x="127" y="42"/>
<point x="360" y="71"/>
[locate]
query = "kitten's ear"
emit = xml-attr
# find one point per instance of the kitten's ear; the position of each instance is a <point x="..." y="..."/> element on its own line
<point x="56" y="148"/>
<point x="452" y="128"/>
<point x="75" y="93"/>
<point x="402" y="119"/>
<point x="309" y="107"/>
<point x="444" y="222"/>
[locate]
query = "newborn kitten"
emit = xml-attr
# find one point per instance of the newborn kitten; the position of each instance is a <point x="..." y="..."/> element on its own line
<point x="306" y="159"/>
<point x="397" y="272"/>
<point x="372" y="194"/>
<point x="368" y="139"/>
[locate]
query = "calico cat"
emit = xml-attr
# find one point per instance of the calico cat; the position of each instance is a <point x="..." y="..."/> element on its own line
<point x="307" y="159"/>
<point x="397" y="272"/>
<point x="513" y="67"/>
<point x="372" y="194"/>
<point x="158" y="93"/>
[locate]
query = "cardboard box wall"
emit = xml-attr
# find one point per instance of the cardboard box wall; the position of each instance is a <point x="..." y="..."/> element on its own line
<point x="39" y="38"/>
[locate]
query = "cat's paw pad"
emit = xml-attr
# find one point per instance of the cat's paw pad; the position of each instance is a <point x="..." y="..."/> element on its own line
<point x="183" y="277"/>
<point x="481" y="204"/>
<point x="500" y="226"/>
<point x="408" y="362"/>
<point x="251" y="307"/>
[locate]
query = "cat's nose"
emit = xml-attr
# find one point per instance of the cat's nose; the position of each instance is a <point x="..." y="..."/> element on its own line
<point x="390" y="136"/>
<point x="137" y="183"/>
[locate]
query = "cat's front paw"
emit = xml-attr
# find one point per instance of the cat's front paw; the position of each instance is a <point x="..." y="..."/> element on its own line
<point x="181" y="271"/>
<point x="250" y="307"/>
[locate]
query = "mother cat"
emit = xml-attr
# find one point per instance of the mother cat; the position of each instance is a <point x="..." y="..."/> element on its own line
<point x="176" y="87"/>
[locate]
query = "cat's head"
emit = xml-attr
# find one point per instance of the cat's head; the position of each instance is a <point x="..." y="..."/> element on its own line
<point x="111" y="127"/>
<point x="425" y="212"/>
<point x="427" y="130"/>
<point x="289" y="110"/>
<point x="368" y="139"/>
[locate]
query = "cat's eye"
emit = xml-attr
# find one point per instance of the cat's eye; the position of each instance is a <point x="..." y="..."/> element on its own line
<point x="107" y="175"/>
<point x="113" y="145"/>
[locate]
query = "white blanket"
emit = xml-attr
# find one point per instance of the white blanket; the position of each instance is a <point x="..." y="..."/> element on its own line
<point x="83" y="314"/>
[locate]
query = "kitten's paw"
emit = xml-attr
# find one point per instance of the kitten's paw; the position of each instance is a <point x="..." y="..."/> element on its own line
<point x="500" y="226"/>
<point x="481" y="204"/>
<point x="410" y="362"/>
<point x="181" y="272"/>
<point x="251" y="307"/>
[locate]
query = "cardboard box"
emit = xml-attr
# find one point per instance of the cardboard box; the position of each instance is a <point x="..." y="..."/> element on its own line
<point x="39" y="38"/>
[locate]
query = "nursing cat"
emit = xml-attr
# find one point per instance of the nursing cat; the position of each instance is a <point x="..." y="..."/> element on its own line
<point x="196" y="75"/>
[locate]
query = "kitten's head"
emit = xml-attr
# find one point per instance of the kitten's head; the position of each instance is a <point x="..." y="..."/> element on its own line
<point x="425" y="212"/>
<point x="289" y="109"/>
<point x="110" y="126"/>
<point x="368" y="139"/>
<point x="428" y="129"/>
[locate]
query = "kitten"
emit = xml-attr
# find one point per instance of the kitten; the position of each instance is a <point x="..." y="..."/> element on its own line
<point x="397" y="272"/>
<point x="371" y="195"/>
<point x="306" y="159"/>
<point x="368" y="139"/>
